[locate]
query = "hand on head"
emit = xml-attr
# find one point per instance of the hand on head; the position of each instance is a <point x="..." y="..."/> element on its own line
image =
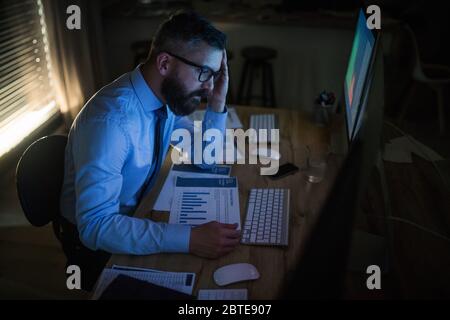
<point x="217" y="99"/>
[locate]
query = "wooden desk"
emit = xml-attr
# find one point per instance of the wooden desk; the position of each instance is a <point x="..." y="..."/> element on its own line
<point x="273" y="263"/>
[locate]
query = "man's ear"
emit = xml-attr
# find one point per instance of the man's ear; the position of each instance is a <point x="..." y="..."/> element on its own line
<point x="163" y="63"/>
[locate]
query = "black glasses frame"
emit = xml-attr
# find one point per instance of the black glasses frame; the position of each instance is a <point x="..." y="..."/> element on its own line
<point x="203" y="69"/>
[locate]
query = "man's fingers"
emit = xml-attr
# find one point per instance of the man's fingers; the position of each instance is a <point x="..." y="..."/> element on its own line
<point x="224" y="63"/>
<point x="233" y="234"/>
<point x="225" y="57"/>
<point x="229" y="225"/>
<point x="229" y="230"/>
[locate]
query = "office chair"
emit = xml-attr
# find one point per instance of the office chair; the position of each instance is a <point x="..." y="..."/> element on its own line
<point x="437" y="77"/>
<point x="39" y="178"/>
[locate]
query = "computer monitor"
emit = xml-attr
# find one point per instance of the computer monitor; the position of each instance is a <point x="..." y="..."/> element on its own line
<point x="321" y="269"/>
<point x="356" y="78"/>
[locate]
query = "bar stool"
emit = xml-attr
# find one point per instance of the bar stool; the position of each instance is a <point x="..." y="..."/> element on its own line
<point x="257" y="59"/>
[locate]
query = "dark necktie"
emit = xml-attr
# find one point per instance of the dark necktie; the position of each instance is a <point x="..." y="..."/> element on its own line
<point x="158" y="149"/>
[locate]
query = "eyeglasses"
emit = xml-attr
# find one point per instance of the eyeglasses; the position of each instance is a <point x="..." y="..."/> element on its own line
<point x="206" y="73"/>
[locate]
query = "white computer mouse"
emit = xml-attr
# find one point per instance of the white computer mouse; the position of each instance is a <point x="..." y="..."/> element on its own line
<point x="266" y="153"/>
<point x="235" y="273"/>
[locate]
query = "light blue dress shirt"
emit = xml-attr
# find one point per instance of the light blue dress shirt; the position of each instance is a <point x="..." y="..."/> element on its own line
<point x="108" y="157"/>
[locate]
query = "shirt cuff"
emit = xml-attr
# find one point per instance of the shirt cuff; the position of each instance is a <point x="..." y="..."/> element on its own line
<point x="216" y="120"/>
<point x="176" y="238"/>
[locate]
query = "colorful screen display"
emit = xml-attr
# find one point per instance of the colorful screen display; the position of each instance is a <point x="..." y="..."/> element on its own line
<point x="355" y="78"/>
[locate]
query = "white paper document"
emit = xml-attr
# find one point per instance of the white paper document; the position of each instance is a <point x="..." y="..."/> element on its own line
<point x="400" y="150"/>
<point x="222" y="294"/>
<point x="179" y="281"/>
<point x="164" y="201"/>
<point x="200" y="200"/>
<point x="418" y="148"/>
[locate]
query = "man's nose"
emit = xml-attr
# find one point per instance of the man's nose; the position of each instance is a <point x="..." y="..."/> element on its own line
<point x="208" y="85"/>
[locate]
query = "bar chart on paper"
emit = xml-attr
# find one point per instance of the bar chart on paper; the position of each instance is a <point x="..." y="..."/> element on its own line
<point x="194" y="206"/>
<point x="201" y="200"/>
<point x="164" y="201"/>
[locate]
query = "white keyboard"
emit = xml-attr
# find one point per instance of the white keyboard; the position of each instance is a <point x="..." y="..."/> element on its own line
<point x="267" y="219"/>
<point x="222" y="294"/>
<point x="262" y="121"/>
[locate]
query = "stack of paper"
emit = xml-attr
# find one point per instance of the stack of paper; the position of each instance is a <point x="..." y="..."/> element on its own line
<point x="179" y="281"/>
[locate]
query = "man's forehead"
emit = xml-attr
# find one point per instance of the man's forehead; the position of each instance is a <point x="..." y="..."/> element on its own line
<point x="206" y="55"/>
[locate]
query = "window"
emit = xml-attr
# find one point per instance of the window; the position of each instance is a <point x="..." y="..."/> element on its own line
<point x="27" y="96"/>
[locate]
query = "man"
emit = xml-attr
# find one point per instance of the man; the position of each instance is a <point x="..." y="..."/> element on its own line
<point x="119" y="139"/>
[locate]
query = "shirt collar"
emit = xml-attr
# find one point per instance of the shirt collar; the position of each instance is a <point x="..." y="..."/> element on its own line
<point x="148" y="99"/>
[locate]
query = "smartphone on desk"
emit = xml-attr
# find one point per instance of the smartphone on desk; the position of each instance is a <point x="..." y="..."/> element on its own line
<point x="284" y="170"/>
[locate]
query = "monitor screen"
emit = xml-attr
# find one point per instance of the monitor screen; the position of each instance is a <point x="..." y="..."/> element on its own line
<point x="356" y="76"/>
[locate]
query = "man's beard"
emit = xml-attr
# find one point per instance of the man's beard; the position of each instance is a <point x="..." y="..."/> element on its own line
<point x="180" y="102"/>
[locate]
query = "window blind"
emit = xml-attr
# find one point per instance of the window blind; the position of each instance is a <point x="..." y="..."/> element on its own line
<point x="27" y="96"/>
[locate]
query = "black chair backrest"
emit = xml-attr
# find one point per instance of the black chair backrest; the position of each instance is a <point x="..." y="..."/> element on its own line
<point x="39" y="178"/>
